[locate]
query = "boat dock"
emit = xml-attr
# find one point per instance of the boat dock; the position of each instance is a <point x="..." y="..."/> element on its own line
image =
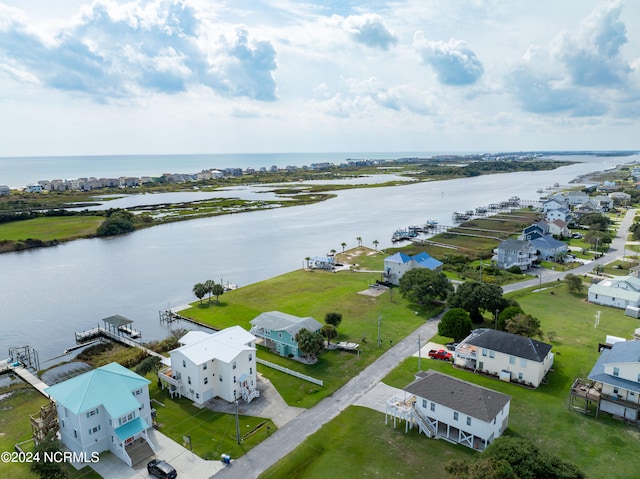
<point x="7" y="366"/>
<point x="169" y="316"/>
<point x="84" y="337"/>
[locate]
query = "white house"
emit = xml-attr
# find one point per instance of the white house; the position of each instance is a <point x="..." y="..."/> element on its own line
<point x="447" y="407"/>
<point x="510" y="357"/>
<point x="618" y="292"/>
<point x="106" y="409"/>
<point x="206" y="366"/>
<point x="321" y="262"/>
<point x="398" y="264"/>
<point x="616" y="375"/>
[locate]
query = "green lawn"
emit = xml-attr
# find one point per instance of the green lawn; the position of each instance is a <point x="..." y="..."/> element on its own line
<point x="212" y="433"/>
<point x="50" y="228"/>
<point x="15" y="427"/>
<point x="601" y="447"/>
<point x="315" y="293"/>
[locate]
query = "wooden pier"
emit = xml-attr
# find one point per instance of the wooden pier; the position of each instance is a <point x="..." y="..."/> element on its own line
<point x="169" y="316"/>
<point x="84" y="337"/>
<point x="8" y="367"/>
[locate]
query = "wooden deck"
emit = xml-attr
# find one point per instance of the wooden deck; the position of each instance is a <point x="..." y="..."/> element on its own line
<point x="90" y="334"/>
<point x="25" y="375"/>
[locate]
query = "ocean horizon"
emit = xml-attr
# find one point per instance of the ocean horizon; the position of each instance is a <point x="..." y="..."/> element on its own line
<point x="18" y="172"/>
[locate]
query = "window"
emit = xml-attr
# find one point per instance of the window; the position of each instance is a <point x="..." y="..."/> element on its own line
<point x="189" y="379"/>
<point x="512" y="360"/>
<point x="204" y="366"/>
<point x="250" y="370"/>
<point x="492" y="354"/>
<point x="279" y="335"/>
<point x="197" y="395"/>
<point x="484" y="352"/>
<point x="93" y="412"/>
<point x="433" y="406"/>
<point x="523" y="363"/>
<point x="184" y="363"/>
<point x="424" y="403"/>
<point x="468" y="420"/>
<point x="234" y="365"/>
<point x="268" y="332"/>
<point x="639" y="377"/>
<point x="234" y="379"/>
<point x="615" y="390"/>
<point x="75" y="433"/>
<point x="455" y="415"/>
<point x="520" y="376"/>
<point x="206" y="380"/>
<point x="220" y="377"/>
<point x="616" y="371"/>
<point x="62" y="422"/>
<point x="250" y="357"/>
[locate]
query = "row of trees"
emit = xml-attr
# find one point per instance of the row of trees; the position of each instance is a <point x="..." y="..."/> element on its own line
<point x="209" y="287"/>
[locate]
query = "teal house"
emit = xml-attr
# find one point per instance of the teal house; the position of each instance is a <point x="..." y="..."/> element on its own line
<point x="106" y="409"/>
<point x="278" y="331"/>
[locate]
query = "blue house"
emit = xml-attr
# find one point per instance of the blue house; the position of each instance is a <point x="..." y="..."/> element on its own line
<point x="106" y="409"/>
<point x="398" y="264"/>
<point x="278" y="331"/>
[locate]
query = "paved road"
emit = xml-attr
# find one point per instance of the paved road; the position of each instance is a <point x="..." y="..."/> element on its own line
<point x="294" y="433"/>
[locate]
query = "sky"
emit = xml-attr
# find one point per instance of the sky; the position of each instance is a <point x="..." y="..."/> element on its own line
<point x="246" y="76"/>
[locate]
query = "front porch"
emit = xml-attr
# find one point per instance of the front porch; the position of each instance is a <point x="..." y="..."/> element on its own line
<point x="166" y="378"/>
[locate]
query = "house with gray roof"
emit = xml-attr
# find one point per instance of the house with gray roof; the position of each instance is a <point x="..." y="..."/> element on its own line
<point x="616" y="375"/>
<point x="278" y="331"/>
<point x="458" y="410"/>
<point x="106" y="409"/>
<point x="515" y="252"/>
<point x="550" y="249"/>
<point x="396" y="265"/>
<point x="509" y="357"/>
<point x="617" y="292"/>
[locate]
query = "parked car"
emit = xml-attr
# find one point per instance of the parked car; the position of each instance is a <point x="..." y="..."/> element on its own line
<point x="440" y="354"/>
<point x="161" y="469"/>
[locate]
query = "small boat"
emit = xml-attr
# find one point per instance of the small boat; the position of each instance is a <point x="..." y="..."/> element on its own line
<point x="431" y="223"/>
<point x="348" y="346"/>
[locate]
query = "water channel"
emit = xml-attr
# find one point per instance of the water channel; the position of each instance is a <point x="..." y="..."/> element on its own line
<point x="48" y="294"/>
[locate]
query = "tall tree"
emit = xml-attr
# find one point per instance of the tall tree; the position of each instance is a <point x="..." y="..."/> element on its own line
<point x="574" y="283"/>
<point x="375" y="244"/>
<point x="200" y="290"/>
<point x="344" y="245"/>
<point x="209" y="285"/>
<point x="309" y="343"/>
<point x="475" y="298"/>
<point x="524" y="325"/>
<point x="217" y="290"/>
<point x="455" y="324"/>
<point x="422" y="285"/>
<point x="329" y="332"/>
<point x="506" y="314"/>
<point x="333" y="318"/>
<point x="48" y="469"/>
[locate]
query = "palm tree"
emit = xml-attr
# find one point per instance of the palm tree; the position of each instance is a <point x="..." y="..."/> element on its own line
<point x="344" y="245"/>
<point x="199" y="290"/>
<point x="307" y="261"/>
<point x="375" y="244"/>
<point x="333" y="252"/>
<point x="217" y="290"/>
<point x="329" y="332"/>
<point x="209" y="285"/>
<point x="359" y="240"/>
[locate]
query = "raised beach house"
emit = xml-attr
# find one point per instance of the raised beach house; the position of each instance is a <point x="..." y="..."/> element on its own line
<point x="222" y="364"/>
<point x="278" y="331"/>
<point x="398" y="264"/>
<point x="106" y="409"/>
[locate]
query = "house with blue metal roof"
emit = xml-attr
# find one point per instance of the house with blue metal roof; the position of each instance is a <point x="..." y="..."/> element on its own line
<point x="106" y="409"/>
<point x="395" y="266"/>
<point x="616" y="375"/>
<point x="278" y="331"/>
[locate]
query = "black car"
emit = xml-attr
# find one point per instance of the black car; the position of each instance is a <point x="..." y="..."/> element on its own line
<point x="161" y="469"/>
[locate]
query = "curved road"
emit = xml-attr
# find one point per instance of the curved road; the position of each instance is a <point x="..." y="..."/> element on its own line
<point x="287" y="438"/>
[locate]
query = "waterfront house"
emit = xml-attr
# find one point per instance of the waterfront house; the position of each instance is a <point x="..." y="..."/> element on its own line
<point x="397" y="265"/>
<point x="559" y="228"/>
<point x="536" y="230"/>
<point x="322" y="262"/>
<point x="278" y="331"/>
<point x="616" y="375"/>
<point x="575" y="198"/>
<point x="617" y="292"/>
<point x="450" y="408"/>
<point x="515" y="252"/>
<point x="205" y="366"/>
<point x="106" y="409"/>
<point x="510" y="357"/>
<point x="559" y="214"/>
<point x="549" y="248"/>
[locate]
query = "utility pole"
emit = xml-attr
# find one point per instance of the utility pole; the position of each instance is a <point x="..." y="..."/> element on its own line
<point x="379" y="318"/>
<point x="237" y="419"/>
<point x="419" y="355"/>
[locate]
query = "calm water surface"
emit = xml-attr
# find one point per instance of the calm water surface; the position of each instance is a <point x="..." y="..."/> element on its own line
<point x="47" y="294"/>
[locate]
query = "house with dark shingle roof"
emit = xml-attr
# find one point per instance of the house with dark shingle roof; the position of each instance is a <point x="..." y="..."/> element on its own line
<point x="616" y="375"/>
<point x="510" y="357"/>
<point x="515" y="252"/>
<point x="460" y="411"/>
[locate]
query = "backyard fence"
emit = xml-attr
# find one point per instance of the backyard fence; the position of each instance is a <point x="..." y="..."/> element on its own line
<point x="290" y="371"/>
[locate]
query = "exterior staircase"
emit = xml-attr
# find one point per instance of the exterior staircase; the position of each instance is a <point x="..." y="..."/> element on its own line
<point x="139" y="451"/>
<point x="423" y="422"/>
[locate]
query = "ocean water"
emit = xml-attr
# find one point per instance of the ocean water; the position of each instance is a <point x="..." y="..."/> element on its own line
<point x="17" y="172"/>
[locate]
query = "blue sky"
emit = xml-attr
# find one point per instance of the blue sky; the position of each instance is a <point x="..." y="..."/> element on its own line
<point x="207" y="76"/>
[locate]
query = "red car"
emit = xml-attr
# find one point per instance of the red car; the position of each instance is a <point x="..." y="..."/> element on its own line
<point x="440" y="354"/>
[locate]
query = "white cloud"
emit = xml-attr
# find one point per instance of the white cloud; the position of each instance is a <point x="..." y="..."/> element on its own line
<point x="370" y="30"/>
<point x="453" y="61"/>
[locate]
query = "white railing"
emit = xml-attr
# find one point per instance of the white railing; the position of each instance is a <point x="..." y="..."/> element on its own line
<point x="291" y="372"/>
<point x="423" y="422"/>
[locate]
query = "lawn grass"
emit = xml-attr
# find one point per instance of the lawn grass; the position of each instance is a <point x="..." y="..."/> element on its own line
<point x="315" y="293"/>
<point x="15" y="427"/>
<point x="600" y="447"/>
<point x="212" y="433"/>
<point x="358" y="444"/>
<point x="51" y="228"/>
